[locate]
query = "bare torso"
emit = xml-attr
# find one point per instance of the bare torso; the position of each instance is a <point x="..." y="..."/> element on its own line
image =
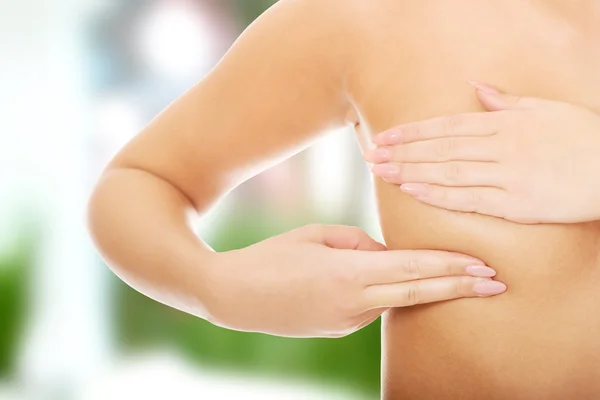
<point x="540" y="340"/>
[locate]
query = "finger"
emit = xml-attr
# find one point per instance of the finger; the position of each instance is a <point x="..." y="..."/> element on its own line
<point x="430" y="290"/>
<point x="498" y="102"/>
<point x="494" y="100"/>
<point x="453" y="173"/>
<point x="394" y="266"/>
<point x="469" y="124"/>
<point x="481" y="200"/>
<point x="437" y="150"/>
<point x="344" y="237"/>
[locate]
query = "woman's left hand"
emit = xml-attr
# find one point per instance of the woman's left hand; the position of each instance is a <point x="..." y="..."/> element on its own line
<point x="529" y="161"/>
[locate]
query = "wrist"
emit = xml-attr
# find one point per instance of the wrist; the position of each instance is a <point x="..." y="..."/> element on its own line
<point x="217" y="291"/>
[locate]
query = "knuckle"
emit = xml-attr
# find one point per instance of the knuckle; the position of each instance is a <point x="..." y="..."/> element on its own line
<point x="452" y="172"/>
<point x="412" y="132"/>
<point x="474" y="196"/>
<point x="450" y="124"/>
<point x="473" y="200"/>
<point x="445" y="147"/>
<point x="459" y="286"/>
<point x="358" y="236"/>
<point x="411" y="269"/>
<point x="412" y="295"/>
<point x="448" y="268"/>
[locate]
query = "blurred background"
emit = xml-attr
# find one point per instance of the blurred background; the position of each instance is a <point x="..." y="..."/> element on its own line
<point x="79" y="78"/>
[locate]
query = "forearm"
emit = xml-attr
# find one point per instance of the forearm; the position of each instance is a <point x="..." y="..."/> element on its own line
<point x="141" y="227"/>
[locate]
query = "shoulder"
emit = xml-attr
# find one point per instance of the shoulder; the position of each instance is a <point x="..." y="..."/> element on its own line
<point x="327" y="15"/>
<point x="324" y="32"/>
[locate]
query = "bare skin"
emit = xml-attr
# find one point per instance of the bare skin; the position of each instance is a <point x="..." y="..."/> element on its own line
<point x="540" y="339"/>
<point x="488" y="176"/>
<point x="376" y="66"/>
<point x="265" y="100"/>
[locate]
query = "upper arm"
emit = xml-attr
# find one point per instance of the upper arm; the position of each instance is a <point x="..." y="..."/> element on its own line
<point x="278" y="87"/>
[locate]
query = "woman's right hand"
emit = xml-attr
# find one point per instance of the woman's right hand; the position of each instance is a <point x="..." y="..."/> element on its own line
<point x="330" y="281"/>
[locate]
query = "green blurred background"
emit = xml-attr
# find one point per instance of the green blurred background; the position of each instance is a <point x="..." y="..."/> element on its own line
<point x="83" y="77"/>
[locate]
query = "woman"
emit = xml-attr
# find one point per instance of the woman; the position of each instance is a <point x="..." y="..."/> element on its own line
<point x="309" y="65"/>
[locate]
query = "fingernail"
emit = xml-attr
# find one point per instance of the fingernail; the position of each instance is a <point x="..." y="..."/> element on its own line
<point x="417" y="190"/>
<point x="385" y="170"/>
<point x="390" y="137"/>
<point x="489" y="287"/>
<point x="480" y="270"/>
<point x="483" y="87"/>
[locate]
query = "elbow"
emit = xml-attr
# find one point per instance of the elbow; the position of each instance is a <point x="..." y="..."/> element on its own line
<point x="95" y="221"/>
<point x="106" y="216"/>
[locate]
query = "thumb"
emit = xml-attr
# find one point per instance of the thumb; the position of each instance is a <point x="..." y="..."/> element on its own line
<point x="493" y="100"/>
<point x="347" y="238"/>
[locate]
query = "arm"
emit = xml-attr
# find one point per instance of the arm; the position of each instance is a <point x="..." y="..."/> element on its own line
<point x="276" y="90"/>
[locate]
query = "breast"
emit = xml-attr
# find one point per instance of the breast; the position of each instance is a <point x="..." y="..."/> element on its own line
<point x="538" y="340"/>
